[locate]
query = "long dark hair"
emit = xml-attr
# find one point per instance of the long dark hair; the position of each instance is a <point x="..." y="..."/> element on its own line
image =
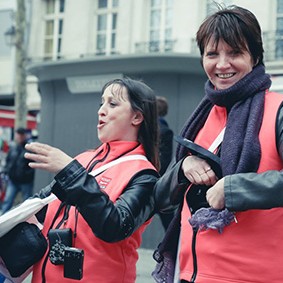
<point x="237" y="26"/>
<point x="143" y="99"/>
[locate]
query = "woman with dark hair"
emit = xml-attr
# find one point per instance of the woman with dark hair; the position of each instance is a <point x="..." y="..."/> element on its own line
<point x="231" y="234"/>
<point x="105" y="210"/>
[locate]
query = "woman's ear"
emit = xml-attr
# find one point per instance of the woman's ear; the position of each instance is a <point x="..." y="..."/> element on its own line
<point x="255" y="64"/>
<point x="137" y="119"/>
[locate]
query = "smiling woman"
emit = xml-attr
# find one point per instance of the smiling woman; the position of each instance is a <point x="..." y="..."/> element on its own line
<point x="237" y="99"/>
<point x="225" y="66"/>
<point x="104" y="211"/>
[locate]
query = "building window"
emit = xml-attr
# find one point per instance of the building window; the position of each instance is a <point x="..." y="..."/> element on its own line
<point x="53" y="29"/>
<point x="161" y="21"/>
<point x="107" y="13"/>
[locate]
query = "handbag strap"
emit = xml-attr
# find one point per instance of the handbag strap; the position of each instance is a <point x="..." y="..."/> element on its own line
<point x="217" y="141"/>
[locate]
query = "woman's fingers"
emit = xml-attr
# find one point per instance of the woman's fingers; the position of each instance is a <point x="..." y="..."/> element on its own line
<point x="198" y="171"/>
<point x="38" y="148"/>
<point x="35" y="157"/>
<point x="46" y="157"/>
<point x="215" y="196"/>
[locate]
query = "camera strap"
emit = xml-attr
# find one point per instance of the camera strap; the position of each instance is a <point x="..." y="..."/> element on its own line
<point x="62" y="204"/>
<point x="76" y="224"/>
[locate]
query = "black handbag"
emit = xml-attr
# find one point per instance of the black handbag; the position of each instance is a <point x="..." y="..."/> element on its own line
<point x="22" y="247"/>
<point x="196" y="196"/>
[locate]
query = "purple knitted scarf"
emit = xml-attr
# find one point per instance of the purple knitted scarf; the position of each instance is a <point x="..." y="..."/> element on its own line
<point x="240" y="149"/>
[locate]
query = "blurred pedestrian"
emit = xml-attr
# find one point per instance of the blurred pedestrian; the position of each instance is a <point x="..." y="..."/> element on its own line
<point x="20" y="175"/>
<point x="166" y="135"/>
<point x="4" y="148"/>
<point x="165" y="149"/>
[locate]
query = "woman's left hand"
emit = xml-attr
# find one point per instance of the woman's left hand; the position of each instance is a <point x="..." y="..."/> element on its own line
<point x="215" y="195"/>
<point x="46" y="157"/>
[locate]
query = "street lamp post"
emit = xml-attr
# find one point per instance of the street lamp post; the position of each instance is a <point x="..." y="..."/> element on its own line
<point x="16" y="36"/>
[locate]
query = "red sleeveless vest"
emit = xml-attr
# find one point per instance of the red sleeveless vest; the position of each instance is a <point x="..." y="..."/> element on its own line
<point x="103" y="262"/>
<point x="248" y="251"/>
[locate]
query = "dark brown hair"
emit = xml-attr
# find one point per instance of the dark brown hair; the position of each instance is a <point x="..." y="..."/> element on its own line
<point x="143" y="99"/>
<point x="237" y="26"/>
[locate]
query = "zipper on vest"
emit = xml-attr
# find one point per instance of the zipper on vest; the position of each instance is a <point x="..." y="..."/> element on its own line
<point x="195" y="265"/>
<point x="235" y="219"/>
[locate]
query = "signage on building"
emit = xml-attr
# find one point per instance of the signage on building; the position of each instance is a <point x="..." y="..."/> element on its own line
<point x="88" y="84"/>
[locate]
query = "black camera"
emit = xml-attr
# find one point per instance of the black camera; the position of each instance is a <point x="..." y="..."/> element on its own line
<point x="73" y="263"/>
<point x="59" y="239"/>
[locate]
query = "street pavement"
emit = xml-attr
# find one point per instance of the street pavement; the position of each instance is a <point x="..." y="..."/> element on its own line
<point x="145" y="266"/>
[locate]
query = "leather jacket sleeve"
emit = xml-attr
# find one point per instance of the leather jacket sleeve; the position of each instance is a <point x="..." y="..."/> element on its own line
<point x="109" y="221"/>
<point x="170" y="188"/>
<point x="257" y="191"/>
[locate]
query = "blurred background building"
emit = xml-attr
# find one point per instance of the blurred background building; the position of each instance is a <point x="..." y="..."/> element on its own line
<point x="68" y="49"/>
<point x="70" y="29"/>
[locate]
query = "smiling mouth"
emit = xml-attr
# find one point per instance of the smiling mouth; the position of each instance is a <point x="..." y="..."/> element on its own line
<point x="225" y="76"/>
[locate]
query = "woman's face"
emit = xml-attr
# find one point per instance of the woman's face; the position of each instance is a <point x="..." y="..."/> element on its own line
<point x="225" y="66"/>
<point x="116" y="118"/>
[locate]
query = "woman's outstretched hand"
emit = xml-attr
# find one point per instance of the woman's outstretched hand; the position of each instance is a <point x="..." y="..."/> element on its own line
<point x="46" y="157"/>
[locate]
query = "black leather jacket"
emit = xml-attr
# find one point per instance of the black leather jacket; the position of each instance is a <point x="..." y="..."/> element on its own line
<point x="74" y="186"/>
<point x="16" y="166"/>
<point x="242" y="191"/>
